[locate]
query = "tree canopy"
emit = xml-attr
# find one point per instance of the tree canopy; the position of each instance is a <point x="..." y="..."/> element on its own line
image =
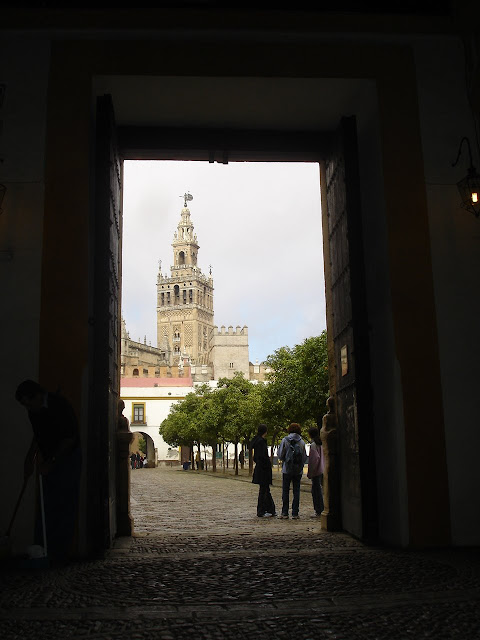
<point x="296" y="391"/>
<point x="298" y="382"/>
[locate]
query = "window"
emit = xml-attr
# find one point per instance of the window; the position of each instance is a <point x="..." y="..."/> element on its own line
<point x="135" y="372"/>
<point x="138" y="414"/>
<point x="145" y="373"/>
<point x="231" y="365"/>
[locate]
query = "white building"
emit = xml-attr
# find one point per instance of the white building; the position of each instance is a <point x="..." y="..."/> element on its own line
<point x="147" y="404"/>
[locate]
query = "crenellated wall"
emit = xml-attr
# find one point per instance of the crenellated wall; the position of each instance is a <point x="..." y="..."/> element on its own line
<point x="229" y="352"/>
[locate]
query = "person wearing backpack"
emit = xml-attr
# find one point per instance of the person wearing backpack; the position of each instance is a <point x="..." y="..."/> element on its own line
<point x="293" y="455"/>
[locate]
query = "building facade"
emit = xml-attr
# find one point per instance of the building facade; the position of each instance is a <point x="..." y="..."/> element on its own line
<point x="229" y="352"/>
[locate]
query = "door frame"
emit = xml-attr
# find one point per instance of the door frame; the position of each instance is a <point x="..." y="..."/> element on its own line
<point x="410" y="503"/>
<point x="230" y="145"/>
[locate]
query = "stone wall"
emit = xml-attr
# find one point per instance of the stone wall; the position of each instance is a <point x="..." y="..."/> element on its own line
<point x="229" y="352"/>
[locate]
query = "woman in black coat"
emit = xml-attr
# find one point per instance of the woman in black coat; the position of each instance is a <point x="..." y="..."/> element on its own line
<point x="262" y="474"/>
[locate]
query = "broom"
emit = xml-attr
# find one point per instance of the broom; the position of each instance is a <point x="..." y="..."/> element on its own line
<point x="5" y="541"/>
<point x="38" y="558"/>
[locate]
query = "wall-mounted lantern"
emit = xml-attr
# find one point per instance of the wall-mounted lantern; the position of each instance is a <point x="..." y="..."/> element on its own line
<point x="469" y="187"/>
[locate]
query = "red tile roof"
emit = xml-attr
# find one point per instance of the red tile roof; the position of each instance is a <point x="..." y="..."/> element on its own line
<point x="138" y="381"/>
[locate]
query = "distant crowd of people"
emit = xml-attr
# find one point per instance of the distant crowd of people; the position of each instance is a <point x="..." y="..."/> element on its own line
<point x="292" y="453"/>
<point x="137" y="461"/>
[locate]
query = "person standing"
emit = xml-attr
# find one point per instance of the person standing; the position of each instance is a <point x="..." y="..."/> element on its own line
<point x="56" y="449"/>
<point x="293" y="455"/>
<point x="315" y="470"/>
<point x="262" y="474"/>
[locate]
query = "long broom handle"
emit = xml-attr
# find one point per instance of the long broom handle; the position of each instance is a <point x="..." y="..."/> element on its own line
<point x="25" y="482"/>
<point x="22" y="491"/>
<point x="44" y="528"/>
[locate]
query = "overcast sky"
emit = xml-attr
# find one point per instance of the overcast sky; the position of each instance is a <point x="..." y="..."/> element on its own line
<point x="258" y="225"/>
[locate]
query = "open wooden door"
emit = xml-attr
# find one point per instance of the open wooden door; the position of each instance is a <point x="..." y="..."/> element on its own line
<point x="105" y="328"/>
<point x="348" y="327"/>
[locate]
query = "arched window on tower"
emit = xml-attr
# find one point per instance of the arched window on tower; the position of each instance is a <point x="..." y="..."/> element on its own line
<point x="181" y="257"/>
<point x="135" y="373"/>
<point x="176" y="293"/>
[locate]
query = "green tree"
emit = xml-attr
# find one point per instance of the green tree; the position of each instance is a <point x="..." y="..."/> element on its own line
<point x="209" y="420"/>
<point x="142" y="445"/>
<point x="298" y="384"/>
<point x="180" y="427"/>
<point x="241" y="401"/>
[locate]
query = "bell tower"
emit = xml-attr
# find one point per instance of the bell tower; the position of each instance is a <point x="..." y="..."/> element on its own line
<point x="185" y="298"/>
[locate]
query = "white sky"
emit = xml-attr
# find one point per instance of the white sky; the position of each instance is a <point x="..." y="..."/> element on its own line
<point x="258" y="225"/>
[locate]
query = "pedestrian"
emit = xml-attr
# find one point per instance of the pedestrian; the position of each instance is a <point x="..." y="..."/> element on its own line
<point x="293" y="456"/>
<point x="315" y="470"/>
<point x="133" y="459"/>
<point x="138" y="460"/>
<point x="56" y="450"/>
<point x="262" y="474"/>
<point x="241" y="458"/>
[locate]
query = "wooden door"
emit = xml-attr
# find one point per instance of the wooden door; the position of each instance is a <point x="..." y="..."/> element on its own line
<point x="105" y="326"/>
<point x="348" y="324"/>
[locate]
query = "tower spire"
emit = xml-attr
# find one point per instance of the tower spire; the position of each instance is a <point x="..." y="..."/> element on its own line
<point x="185" y="298"/>
<point x="185" y="246"/>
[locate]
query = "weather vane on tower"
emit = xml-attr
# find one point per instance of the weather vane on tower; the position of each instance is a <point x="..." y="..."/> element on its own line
<point x="187" y="197"/>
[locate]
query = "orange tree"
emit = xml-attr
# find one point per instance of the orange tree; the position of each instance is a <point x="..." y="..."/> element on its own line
<point x="241" y="400"/>
<point x="297" y="388"/>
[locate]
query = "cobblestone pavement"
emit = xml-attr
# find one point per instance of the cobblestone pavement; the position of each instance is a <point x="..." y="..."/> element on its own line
<point x="202" y="565"/>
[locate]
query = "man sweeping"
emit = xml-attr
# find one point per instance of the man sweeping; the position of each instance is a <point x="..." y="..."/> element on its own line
<point x="56" y="448"/>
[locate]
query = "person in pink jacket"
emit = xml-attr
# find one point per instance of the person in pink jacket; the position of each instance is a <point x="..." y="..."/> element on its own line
<point x="315" y="470"/>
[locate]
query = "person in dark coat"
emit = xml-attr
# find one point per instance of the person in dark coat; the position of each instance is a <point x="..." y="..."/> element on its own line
<point x="262" y="474"/>
<point x="56" y="450"/>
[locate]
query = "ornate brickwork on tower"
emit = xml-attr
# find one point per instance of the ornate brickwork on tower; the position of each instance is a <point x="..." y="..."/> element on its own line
<point x="185" y="298"/>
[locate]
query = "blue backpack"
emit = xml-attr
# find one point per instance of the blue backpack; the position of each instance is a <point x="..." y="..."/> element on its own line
<point x="293" y="463"/>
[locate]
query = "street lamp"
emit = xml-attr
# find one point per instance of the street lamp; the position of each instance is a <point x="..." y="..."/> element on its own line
<point x="469" y="187"/>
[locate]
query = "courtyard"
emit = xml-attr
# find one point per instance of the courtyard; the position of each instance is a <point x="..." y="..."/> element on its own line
<point x="202" y="565"/>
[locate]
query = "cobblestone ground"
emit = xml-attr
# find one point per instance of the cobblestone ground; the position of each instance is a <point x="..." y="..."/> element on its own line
<point x="202" y="565"/>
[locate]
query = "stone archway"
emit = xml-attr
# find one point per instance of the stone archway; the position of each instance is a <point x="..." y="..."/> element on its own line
<point x="151" y="450"/>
